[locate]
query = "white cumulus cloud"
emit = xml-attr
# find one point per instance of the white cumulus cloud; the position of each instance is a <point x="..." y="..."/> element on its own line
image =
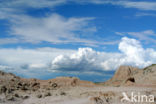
<point x="87" y="59"/>
<point x="83" y="60"/>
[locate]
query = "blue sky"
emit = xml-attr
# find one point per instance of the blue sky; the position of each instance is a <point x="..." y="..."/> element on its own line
<point x="89" y="39"/>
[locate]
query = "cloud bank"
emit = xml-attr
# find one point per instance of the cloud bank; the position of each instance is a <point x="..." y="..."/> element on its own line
<point x="84" y="60"/>
<point x="21" y="58"/>
<point x="87" y="59"/>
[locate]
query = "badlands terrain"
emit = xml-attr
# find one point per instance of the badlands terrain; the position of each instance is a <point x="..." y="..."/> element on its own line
<point x="71" y="90"/>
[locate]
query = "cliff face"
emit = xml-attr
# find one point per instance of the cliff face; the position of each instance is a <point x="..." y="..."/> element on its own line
<point x="128" y="76"/>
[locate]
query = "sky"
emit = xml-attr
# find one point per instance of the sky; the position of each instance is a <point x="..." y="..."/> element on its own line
<point x="88" y="39"/>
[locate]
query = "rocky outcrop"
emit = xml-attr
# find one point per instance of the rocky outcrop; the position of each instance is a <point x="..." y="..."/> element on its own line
<point x="129" y="76"/>
<point x="123" y="75"/>
<point x="124" y="72"/>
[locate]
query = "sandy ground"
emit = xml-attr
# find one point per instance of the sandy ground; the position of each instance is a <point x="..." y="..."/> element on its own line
<point x="85" y="95"/>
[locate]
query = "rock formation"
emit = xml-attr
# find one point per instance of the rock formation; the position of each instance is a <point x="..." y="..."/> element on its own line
<point x="132" y="76"/>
